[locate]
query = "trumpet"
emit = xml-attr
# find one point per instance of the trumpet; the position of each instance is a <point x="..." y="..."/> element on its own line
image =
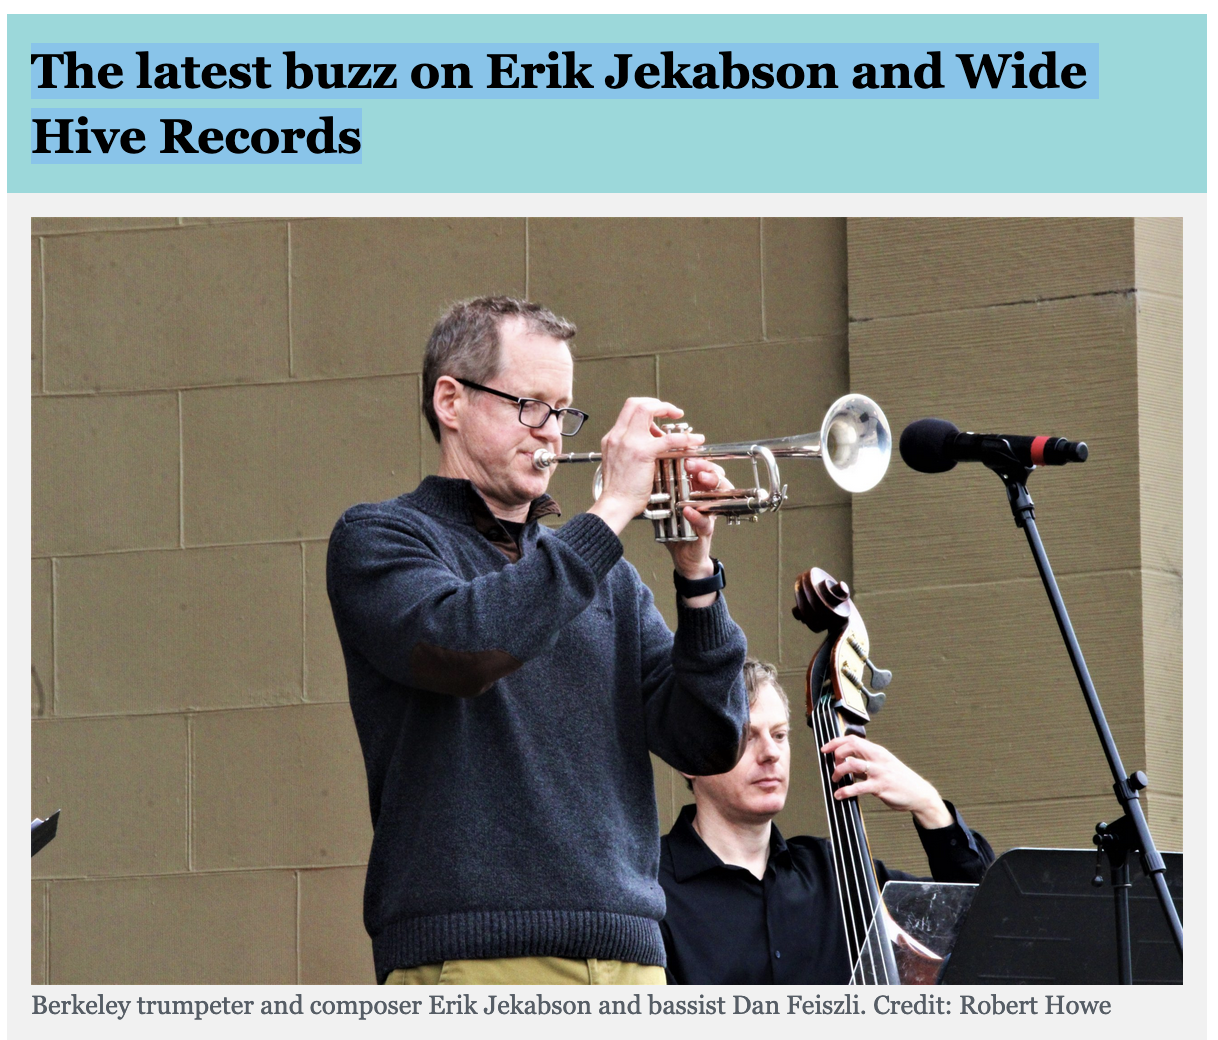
<point x="854" y="442"/>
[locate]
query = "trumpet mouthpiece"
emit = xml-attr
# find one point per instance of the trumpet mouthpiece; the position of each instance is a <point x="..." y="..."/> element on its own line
<point x="543" y="459"/>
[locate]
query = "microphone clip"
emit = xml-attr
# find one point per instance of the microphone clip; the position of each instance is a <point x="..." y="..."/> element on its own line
<point x="1022" y="507"/>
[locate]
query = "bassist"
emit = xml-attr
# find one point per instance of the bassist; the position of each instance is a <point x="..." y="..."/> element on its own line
<point x="748" y="906"/>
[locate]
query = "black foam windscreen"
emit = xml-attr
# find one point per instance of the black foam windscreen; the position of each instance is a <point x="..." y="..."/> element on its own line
<point x="924" y="445"/>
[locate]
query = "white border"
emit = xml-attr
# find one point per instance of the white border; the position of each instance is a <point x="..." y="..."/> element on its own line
<point x="1144" y="1008"/>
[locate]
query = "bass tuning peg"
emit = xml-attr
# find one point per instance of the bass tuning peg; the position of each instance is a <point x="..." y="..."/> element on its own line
<point x="880" y="677"/>
<point x="875" y="701"/>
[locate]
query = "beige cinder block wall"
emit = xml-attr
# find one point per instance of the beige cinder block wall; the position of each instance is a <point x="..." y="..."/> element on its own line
<point x="208" y="397"/>
<point x="1057" y="326"/>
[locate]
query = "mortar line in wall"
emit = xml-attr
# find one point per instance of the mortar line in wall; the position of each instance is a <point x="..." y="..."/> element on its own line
<point x="291" y="344"/>
<point x="304" y="626"/>
<point x="297" y="927"/>
<point x="190" y="789"/>
<point x="54" y="636"/>
<point x="144" y="391"/>
<point x="997" y="305"/>
<point x="196" y="712"/>
<point x="277" y="868"/>
<point x="42" y="289"/>
<point x="178" y="222"/>
<point x="526" y="258"/>
<point x="179" y="548"/>
<point x="824" y="339"/>
<point x="424" y="429"/>
<point x="761" y="273"/>
<point x="181" y="479"/>
<point x="46" y="932"/>
<point x="1061" y="574"/>
<point x="778" y="592"/>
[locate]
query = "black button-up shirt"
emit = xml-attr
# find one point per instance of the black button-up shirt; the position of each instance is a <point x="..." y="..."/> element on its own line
<point x="725" y="926"/>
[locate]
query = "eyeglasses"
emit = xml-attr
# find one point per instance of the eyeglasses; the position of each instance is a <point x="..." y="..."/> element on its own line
<point x="535" y="414"/>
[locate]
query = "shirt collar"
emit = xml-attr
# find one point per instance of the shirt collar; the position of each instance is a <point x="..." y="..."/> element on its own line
<point x="458" y="499"/>
<point x="691" y="856"/>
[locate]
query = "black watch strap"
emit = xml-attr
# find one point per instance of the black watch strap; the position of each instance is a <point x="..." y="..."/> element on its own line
<point x="689" y="588"/>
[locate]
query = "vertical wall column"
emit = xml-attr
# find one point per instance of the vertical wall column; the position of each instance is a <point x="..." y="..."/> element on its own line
<point x="1067" y="327"/>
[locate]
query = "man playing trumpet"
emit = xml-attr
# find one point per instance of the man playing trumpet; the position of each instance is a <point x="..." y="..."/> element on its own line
<point x="508" y="680"/>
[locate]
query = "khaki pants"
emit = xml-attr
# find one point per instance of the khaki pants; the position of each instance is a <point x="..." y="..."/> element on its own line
<point x="530" y="971"/>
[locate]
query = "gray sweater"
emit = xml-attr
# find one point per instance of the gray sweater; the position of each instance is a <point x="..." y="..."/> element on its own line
<point x="506" y="700"/>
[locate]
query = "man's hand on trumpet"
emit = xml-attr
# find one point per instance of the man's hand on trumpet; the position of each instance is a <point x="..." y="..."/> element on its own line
<point x="628" y="458"/>
<point x="693" y="559"/>
<point x="629" y="452"/>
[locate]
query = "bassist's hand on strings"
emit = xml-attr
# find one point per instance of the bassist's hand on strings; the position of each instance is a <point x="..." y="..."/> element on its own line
<point x="876" y="770"/>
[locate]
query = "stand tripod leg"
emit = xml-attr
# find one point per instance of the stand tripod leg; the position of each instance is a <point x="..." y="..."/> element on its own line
<point x="1126" y="786"/>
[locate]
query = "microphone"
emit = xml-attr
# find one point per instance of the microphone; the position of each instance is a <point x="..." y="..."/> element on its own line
<point x="935" y="446"/>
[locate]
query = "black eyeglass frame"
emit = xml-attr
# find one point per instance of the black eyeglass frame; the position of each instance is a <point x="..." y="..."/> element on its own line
<point x="522" y="401"/>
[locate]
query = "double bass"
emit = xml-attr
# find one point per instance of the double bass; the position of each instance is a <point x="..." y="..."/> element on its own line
<point x="839" y="704"/>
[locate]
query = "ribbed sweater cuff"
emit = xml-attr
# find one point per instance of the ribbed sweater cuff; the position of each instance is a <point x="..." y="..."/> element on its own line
<point x="594" y="540"/>
<point x="702" y="629"/>
<point x="474" y="935"/>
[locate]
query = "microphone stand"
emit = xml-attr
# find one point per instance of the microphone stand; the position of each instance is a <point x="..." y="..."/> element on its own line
<point x="1129" y="833"/>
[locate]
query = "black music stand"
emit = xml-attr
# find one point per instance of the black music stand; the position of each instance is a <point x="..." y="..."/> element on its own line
<point x="1038" y="918"/>
<point x="42" y="831"/>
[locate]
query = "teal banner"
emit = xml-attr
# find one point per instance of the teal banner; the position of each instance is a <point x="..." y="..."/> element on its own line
<point x="670" y="103"/>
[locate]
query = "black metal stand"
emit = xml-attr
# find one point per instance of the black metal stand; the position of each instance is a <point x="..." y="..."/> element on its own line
<point x="1129" y="833"/>
<point x="1039" y="919"/>
<point x="1112" y="842"/>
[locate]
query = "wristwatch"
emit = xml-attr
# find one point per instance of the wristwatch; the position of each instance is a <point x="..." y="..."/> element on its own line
<point x="691" y="587"/>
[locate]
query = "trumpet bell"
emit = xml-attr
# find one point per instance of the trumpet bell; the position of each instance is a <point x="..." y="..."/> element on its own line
<point x="855" y="443"/>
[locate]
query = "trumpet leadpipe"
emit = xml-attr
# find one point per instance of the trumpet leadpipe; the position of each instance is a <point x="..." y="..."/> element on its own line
<point x="543" y="459"/>
<point x="804" y="446"/>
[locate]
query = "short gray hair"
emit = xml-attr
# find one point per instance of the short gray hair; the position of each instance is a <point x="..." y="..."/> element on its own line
<point x="465" y="342"/>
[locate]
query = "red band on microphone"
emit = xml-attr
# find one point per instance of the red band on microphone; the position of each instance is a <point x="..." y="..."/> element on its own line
<point x="1038" y="450"/>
